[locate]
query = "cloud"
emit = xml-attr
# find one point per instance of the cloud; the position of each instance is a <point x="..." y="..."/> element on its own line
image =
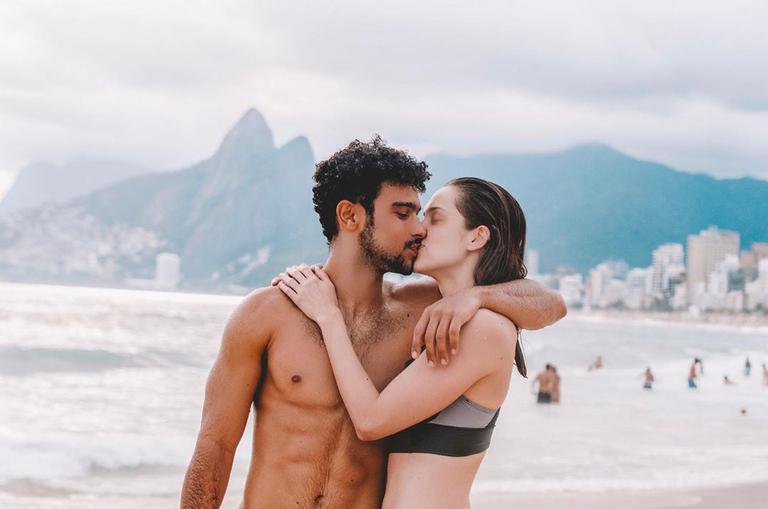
<point x="158" y="84"/>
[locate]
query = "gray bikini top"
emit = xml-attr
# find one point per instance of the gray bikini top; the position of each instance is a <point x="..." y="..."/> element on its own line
<point x="462" y="428"/>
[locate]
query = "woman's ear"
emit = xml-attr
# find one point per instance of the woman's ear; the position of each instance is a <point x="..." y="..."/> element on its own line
<point x="480" y="237"/>
<point x="350" y="216"/>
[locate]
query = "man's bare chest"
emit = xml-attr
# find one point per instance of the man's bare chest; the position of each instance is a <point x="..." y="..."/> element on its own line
<point x="298" y="366"/>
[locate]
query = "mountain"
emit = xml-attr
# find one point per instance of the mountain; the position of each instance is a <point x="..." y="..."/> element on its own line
<point x="232" y="219"/>
<point x="591" y="203"/>
<point x="245" y="213"/>
<point x="42" y="183"/>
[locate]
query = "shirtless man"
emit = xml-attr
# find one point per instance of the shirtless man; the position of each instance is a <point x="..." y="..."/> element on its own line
<point x="555" y="384"/>
<point x="692" y="375"/>
<point x="305" y="452"/>
<point x="546" y="382"/>
<point x="648" y="379"/>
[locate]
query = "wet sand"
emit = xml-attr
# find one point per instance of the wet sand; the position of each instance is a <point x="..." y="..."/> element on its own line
<point x="747" y="496"/>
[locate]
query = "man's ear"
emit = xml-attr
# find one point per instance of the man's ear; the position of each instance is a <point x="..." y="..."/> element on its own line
<point x="350" y="216"/>
<point x="480" y="237"/>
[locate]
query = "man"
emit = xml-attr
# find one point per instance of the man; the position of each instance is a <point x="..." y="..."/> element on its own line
<point x="648" y="379"/>
<point x="545" y="382"/>
<point x="305" y="452"/>
<point x="555" y="384"/>
<point x="692" y="375"/>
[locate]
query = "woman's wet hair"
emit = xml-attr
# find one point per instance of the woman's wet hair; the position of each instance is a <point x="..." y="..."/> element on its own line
<point x="484" y="203"/>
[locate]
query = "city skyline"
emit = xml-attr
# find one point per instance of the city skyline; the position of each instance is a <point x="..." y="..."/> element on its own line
<point x="710" y="273"/>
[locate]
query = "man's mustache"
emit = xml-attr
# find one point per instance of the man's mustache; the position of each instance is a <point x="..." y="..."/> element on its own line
<point x="416" y="243"/>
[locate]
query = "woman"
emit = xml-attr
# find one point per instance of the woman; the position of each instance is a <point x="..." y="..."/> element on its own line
<point x="440" y="419"/>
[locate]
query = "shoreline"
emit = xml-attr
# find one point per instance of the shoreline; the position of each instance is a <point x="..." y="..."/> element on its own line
<point x="728" y="320"/>
<point x="743" y="496"/>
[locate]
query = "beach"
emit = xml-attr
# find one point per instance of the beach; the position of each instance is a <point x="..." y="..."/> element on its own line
<point x="102" y="391"/>
<point x="747" y="496"/>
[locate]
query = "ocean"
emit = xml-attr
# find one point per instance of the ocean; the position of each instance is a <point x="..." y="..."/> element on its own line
<point x="101" y="392"/>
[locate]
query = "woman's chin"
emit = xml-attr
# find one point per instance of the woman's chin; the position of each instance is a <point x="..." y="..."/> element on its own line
<point x="421" y="267"/>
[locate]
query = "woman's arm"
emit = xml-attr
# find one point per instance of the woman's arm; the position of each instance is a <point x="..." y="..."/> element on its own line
<point x="419" y="391"/>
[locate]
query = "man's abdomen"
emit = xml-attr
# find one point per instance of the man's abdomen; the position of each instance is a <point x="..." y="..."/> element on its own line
<point x="315" y="462"/>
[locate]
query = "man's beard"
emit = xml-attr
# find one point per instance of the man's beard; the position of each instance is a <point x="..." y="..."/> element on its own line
<point x="380" y="260"/>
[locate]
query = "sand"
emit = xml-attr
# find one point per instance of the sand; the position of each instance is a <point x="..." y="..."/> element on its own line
<point x="747" y="496"/>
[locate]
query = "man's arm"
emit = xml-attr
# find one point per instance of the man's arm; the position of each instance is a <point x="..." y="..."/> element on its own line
<point x="228" y="395"/>
<point x="528" y="304"/>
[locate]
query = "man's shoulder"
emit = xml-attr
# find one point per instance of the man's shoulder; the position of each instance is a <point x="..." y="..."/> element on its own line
<point x="421" y="290"/>
<point x="262" y="308"/>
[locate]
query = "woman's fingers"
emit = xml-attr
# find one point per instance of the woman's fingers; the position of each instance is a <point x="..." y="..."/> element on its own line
<point x="429" y="341"/>
<point x="417" y="343"/>
<point x="441" y="340"/>
<point x="291" y="283"/>
<point x="320" y="273"/>
<point x="306" y="272"/>
<point x="297" y="273"/>
<point x="287" y="290"/>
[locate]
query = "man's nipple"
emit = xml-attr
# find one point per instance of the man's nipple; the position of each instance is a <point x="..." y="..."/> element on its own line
<point x="296" y="379"/>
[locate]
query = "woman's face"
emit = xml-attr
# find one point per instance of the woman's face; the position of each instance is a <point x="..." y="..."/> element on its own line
<point x="445" y="245"/>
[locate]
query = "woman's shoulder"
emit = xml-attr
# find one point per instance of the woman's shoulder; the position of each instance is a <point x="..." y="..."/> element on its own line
<point x="489" y="326"/>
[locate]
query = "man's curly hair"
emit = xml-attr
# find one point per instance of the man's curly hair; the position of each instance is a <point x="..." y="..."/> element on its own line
<point x="356" y="173"/>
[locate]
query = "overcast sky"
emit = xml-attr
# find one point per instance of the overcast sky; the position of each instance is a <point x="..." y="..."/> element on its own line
<point x="159" y="83"/>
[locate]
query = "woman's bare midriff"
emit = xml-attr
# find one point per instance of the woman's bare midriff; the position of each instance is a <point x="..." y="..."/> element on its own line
<point x="430" y="481"/>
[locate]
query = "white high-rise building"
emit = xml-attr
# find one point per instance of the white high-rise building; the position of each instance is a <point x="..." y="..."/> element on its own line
<point x="603" y="287"/>
<point x="762" y="275"/>
<point x="637" y="290"/>
<point x="532" y="263"/>
<point x="705" y="251"/>
<point x="597" y="284"/>
<point x="718" y="288"/>
<point x="667" y="259"/>
<point x="167" y="270"/>
<point x="572" y="289"/>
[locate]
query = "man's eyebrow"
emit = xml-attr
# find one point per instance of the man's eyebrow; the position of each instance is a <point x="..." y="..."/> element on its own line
<point x="407" y="204"/>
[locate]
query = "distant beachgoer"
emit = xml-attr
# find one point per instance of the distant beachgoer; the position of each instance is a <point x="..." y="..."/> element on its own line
<point x="728" y="381"/>
<point x="597" y="364"/>
<point x="765" y="374"/>
<point x="648" y="379"/>
<point x="545" y="381"/>
<point x="692" y="375"/>
<point x="700" y="364"/>
<point x="747" y="367"/>
<point x="555" y="385"/>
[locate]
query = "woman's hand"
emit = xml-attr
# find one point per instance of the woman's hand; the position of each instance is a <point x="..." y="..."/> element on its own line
<point x="312" y="291"/>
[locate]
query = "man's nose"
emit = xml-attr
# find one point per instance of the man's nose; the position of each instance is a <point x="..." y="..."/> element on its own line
<point x="420" y="231"/>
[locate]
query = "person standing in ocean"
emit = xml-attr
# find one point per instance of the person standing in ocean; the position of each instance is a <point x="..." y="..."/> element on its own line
<point x="555" y="384"/>
<point x="692" y="375"/>
<point x="648" y="379"/>
<point x="747" y="367"/>
<point x="544" y="381"/>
